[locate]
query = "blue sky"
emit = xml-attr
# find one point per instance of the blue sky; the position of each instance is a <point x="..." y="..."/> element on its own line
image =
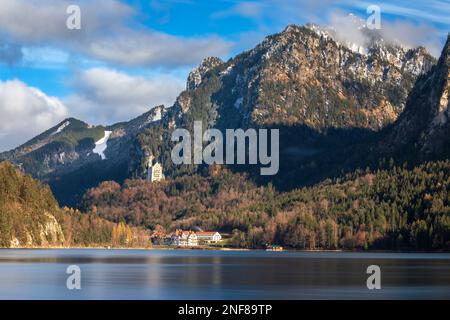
<point x="131" y="55"/>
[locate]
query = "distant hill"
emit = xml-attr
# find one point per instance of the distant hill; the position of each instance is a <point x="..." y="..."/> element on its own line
<point x="67" y="157"/>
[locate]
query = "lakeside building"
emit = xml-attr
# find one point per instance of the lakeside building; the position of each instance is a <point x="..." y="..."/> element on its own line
<point x="160" y="238"/>
<point x="208" y="237"/>
<point x="184" y="239"/>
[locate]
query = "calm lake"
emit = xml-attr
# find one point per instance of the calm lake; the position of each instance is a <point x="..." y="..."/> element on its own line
<point x="192" y="274"/>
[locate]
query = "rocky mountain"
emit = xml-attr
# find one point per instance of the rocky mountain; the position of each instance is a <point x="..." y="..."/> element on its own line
<point x="421" y="133"/>
<point x="303" y="76"/>
<point x="303" y="81"/>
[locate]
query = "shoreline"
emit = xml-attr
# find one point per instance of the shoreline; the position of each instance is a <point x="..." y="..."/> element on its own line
<point x="216" y="249"/>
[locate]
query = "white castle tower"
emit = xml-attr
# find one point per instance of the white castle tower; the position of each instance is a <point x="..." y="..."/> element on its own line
<point x="154" y="170"/>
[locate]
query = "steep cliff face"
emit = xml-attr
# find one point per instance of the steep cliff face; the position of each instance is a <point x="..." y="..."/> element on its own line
<point x="29" y="214"/>
<point x="424" y="128"/>
<point x="49" y="234"/>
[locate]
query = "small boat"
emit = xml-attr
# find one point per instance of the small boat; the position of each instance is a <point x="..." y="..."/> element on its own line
<point x="274" y="248"/>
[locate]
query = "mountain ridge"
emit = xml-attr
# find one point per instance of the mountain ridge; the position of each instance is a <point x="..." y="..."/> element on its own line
<point x="296" y="79"/>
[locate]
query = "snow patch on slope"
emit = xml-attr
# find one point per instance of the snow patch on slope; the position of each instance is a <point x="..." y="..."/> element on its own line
<point x="158" y="115"/>
<point x="101" y="145"/>
<point x="61" y="127"/>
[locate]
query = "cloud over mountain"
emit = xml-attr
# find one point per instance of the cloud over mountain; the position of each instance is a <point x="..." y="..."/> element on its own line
<point x="106" y="96"/>
<point x="25" y="112"/>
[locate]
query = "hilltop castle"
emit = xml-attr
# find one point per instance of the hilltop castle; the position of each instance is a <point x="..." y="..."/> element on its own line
<point x="154" y="170"/>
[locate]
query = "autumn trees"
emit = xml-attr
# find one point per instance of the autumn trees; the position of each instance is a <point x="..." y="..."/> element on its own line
<point x="30" y="216"/>
<point x="397" y="208"/>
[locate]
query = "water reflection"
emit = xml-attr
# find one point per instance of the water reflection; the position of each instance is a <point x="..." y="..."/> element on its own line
<point x="140" y="274"/>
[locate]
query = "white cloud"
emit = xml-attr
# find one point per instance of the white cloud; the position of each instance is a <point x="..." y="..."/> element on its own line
<point x="102" y="96"/>
<point x="109" y="32"/>
<point x="397" y="31"/>
<point x="346" y="28"/>
<point x="107" y="96"/>
<point x="131" y="48"/>
<point x="412" y="35"/>
<point x="25" y="112"/>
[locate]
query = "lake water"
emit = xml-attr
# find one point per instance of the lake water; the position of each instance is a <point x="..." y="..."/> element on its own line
<point x="194" y="274"/>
